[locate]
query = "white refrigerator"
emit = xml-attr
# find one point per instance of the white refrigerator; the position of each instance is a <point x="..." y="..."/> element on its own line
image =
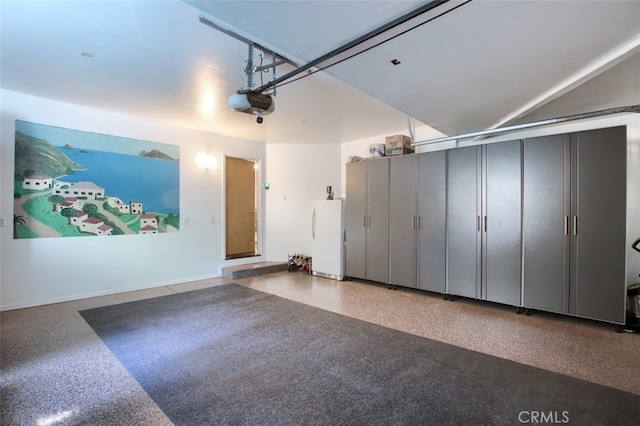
<point x="328" y="233"/>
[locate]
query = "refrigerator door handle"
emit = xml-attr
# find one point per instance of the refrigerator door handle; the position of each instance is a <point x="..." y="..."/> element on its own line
<point x="313" y="225"/>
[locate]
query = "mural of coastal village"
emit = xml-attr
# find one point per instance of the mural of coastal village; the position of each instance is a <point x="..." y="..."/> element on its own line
<point x="70" y="183"/>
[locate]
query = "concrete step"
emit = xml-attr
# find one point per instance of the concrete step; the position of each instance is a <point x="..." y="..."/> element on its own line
<point x="253" y="269"/>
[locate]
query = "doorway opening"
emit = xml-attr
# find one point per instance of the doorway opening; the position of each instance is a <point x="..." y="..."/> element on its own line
<point x="241" y="208"/>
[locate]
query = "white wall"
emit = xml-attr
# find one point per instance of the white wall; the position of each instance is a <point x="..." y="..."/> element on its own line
<point x="297" y="174"/>
<point x="37" y="271"/>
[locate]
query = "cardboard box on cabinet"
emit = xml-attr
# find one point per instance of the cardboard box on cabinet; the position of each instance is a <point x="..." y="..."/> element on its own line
<point x="398" y="145"/>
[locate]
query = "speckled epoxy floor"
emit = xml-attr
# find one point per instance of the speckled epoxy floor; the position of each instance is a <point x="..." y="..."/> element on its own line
<point x="55" y="370"/>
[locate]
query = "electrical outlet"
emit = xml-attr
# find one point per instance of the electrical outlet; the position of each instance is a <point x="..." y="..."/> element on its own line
<point x="1" y="222"/>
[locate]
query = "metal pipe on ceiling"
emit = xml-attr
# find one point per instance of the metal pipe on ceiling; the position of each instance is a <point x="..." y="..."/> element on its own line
<point x="508" y="129"/>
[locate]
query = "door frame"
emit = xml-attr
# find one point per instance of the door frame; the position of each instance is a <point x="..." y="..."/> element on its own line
<point x="259" y="214"/>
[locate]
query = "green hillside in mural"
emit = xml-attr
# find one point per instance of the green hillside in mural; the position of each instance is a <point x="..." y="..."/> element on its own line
<point x="154" y="153"/>
<point x="34" y="155"/>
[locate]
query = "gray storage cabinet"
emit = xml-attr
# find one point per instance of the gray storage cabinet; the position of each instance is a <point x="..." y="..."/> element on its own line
<point x="403" y="220"/>
<point x="463" y="220"/>
<point x="432" y="221"/>
<point x="367" y="220"/>
<point x="546" y="223"/>
<point x="417" y="221"/>
<point x="574" y="224"/>
<point x="484" y="204"/>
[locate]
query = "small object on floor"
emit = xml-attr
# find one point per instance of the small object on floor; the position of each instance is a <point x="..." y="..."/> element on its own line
<point x="632" y="324"/>
<point x="299" y="262"/>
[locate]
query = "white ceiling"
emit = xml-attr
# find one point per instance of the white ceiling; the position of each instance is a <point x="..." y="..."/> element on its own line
<point x="482" y="64"/>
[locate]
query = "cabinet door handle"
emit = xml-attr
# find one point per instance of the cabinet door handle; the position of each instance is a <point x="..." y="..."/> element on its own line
<point x="413" y="222"/>
<point x="419" y="223"/>
<point x="485" y="224"/>
<point x="575" y="225"/>
<point x="478" y="223"/>
<point x="566" y="225"/>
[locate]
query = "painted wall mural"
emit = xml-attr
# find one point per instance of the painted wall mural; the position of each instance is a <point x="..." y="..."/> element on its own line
<point x="71" y="183"/>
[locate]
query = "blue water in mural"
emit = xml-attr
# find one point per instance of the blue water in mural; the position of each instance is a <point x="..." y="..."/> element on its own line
<point x="154" y="182"/>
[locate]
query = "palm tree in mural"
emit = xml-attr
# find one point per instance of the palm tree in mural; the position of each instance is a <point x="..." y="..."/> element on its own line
<point x="17" y="220"/>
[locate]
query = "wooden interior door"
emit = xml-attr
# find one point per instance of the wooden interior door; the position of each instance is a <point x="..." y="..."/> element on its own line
<point x="240" y="208"/>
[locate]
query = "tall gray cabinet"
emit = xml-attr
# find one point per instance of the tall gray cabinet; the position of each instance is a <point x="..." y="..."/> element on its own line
<point x="574" y="223"/>
<point x="432" y="232"/>
<point x="539" y="223"/>
<point x="484" y="245"/>
<point x="403" y="219"/>
<point x="367" y="220"/>
<point x="417" y="221"/>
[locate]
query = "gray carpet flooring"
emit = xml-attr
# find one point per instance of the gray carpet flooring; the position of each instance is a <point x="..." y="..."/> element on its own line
<point x="232" y="355"/>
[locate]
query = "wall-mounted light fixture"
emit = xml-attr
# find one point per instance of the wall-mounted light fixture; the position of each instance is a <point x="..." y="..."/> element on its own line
<point x="206" y="161"/>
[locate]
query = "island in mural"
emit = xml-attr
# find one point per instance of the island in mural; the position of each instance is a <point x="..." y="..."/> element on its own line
<point x="71" y="183"/>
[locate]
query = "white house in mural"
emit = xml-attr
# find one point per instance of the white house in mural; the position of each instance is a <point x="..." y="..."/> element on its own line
<point x="79" y="189"/>
<point x="136" y="207"/>
<point x="148" y="224"/>
<point x="82" y="220"/>
<point x="104" y="230"/>
<point x="94" y="226"/>
<point x="116" y="203"/>
<point x="78" y="218"/>
<point x="70" y="203"/>
<point x="38" y="182"/>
